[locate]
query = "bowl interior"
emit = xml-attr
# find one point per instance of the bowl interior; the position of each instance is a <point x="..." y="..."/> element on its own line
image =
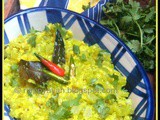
<point x="91" y="32"/>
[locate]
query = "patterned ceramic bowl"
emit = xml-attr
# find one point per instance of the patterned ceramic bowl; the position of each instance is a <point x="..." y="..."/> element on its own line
<point x="91" y="32"/>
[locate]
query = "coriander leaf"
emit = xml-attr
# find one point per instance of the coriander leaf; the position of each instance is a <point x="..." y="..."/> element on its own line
<point x="134" y="45"/>
<point x="101" y="107"/>
<point x="71" y="103"/>
<point x="93" y="81"/>
<point x="99" y="60"/>
<point x="83" y="57"/>
<point x="60" y="113"/>
<point x="116" y="79"/>
<point x="150" y="15"/>
<point x="14" y="82"/>
<point x="85" y="7"/>
<point x="76" y="49"/>
<point x="148" y="30"/>
<point x="134" y="4"/>
<point x="99" y="87"/>
<point x="14" y="67"/>
<point x="149" y="52"/>
<point x="126" y="19"/>
<point x="33" y="31"/>
<point x="32" y="41"/>
<point x="29" y="93"/>
<point x="110" y="97"/>
<point x="46" y="29"/>
<point x="62" y="30"/>
<point x="52" y="102"/>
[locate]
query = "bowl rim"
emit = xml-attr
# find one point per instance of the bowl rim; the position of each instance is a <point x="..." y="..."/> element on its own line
<point x="150" y="110"/>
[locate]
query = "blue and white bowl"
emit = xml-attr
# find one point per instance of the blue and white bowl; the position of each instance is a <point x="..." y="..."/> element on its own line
<point x="91" y="32"/>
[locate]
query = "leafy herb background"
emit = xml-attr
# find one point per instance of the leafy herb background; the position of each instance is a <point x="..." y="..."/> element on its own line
<point x="136" y="26"/>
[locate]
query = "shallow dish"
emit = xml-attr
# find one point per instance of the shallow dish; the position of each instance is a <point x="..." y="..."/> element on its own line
<point x="91" y="32"/>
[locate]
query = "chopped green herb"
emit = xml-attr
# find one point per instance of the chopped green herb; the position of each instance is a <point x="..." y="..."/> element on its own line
<point x="85" y="7"/>
<point x="99" y="87"/>
<point x="76" y="49"/>
<point x="52" y="103"/>
<point x="33" y="31"/>
<point x="14" y="67"/>
<point x="62" y="30"/>
<point x="46" y="29"/>
<point x="32" y="40"/>
<point x="29" y="93"/>
<point x="14" y="82"/>
<point x="101" y="107"/>
<point x="136" y="26"/>
<point x="111" y="97"/>
<point x="83" y="57"/>
<point x="93" y="81"/>
<point x="71" y="103"/>
<point x="60" y="113"/>
<point x="99" y="60"/>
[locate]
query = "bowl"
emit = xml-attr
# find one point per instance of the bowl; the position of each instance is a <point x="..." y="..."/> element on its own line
<point x="91" y="32"/>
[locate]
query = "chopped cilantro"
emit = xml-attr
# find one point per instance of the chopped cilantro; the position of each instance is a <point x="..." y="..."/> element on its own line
<point x="93" y="81"/>
<point x="99" y="59"/>
<point x="111" y="97"/>
<point x="136" y="26"/>
<point x="14" y="82"/>
<point x="46" y="29"/>
<point x="60" y="113"/>
<point x="29" y="93"/>
<point x="115" y="82"/>
<point x="71" y="103"/>
<point x="101" y="107"/>
<point x="76" y="49"/>
<point x="14" y="67"/>
<point x="32" y="40"/>
<point x="85" y="7"/>
<point x="83" y="57"/>
<point x="62" y="30"/>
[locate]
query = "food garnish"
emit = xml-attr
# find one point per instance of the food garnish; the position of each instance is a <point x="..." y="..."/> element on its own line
<point x="50" y="65"/>
<point x="59" y="49"/>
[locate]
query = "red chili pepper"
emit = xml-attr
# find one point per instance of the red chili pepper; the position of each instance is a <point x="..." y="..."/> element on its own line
<point x="50" y="65"/>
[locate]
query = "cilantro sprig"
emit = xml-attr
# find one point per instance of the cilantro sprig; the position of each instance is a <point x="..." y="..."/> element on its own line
<point x="136" y="26"/>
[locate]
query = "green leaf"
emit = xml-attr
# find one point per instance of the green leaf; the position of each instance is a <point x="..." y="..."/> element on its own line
<point x="14" y="67"/>
<point x="14" y="82"/>
<point x="99" y="59"/>
<point x="111" y="97"/>
<point x="32" y="40"/>
<point x="99" y="87"/>
<point x="101" y="107"/>
<point x="52" y="102"/>
<point x="149" y="52"/>
<point x="116" y="79"/>
<point x="126" y="19"/>
<point x="46" y="29"/>
<point x="134" y="45"/>
<point x="62" y="30"/>
<point x="83" y="57"/>
<point x="71" y="103"/>
<point x="61" y="113"/>
<point x="148" y="30"/>
<point x="33" y="31"/>
<point x="150" y="15"/>
<point x="85" y="7"/>
<point x="76" y="49"/>
<point x="29" y="93"/>
<point x="134" y="4"/>
<point x="93" y="81"/>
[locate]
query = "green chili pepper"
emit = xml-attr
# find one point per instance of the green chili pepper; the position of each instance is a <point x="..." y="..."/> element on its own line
<point x="55" y="77"/>
<point x="72" y="68"/>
